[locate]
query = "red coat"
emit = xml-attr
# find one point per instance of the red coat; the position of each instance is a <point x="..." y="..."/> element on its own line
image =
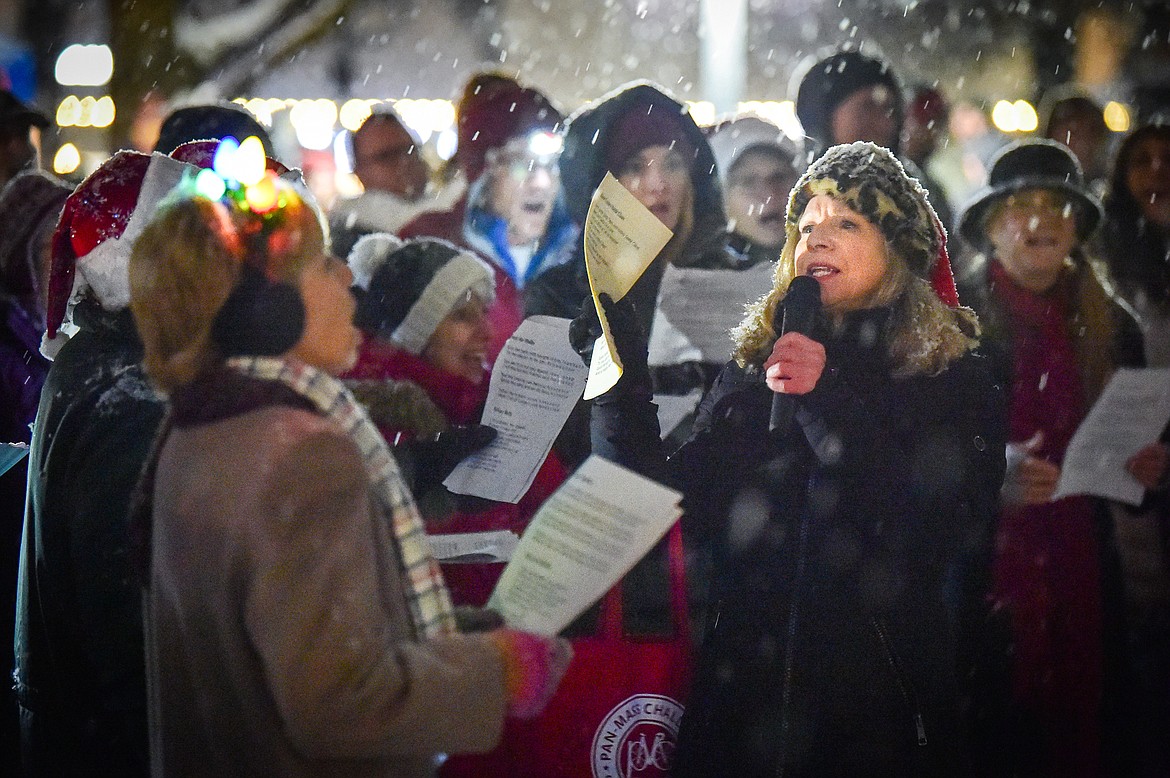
<point x="400" y="415"/>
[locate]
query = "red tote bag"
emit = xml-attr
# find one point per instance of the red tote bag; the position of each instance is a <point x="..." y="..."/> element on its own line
<point x="616" y="713"/>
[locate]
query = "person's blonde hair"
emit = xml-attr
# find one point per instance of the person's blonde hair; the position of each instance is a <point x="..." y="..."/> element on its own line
<point x="185" y="265"/>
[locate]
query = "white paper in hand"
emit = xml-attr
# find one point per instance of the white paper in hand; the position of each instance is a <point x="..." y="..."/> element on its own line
<point x="580" y="543"/>
<point x="535" y="384"/>
<point x="1129" y="414"/>
<point x="622" y="237"/>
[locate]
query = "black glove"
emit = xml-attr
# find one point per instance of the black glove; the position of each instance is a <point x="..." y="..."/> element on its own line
<point x="628" y="337"/>
<point x="585" y="330"/>
<point x="432" y="460"/>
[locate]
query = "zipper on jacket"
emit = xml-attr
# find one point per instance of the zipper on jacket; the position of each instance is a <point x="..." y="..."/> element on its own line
<point x="911" y="702"/>
<point x="798" y="579"/>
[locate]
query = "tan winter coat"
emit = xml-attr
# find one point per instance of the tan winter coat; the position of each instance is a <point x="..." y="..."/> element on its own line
<point x="278" y="638"/>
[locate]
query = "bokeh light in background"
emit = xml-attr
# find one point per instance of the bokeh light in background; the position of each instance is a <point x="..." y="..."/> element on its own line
<point x="1116" y="116"/>
<point x="1017" y="116"/>
<point x="66" y="160"/>
<point x="85" y="65"/>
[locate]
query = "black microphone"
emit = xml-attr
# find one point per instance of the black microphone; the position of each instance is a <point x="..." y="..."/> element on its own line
<point x="796" y="313"/>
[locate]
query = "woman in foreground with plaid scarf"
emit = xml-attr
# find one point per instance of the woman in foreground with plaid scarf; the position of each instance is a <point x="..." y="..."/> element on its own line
<point x="296" y="622"/>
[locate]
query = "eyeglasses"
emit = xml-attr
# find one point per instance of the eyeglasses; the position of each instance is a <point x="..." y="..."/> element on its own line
<point x="521" y="166"/>
<point x="1043" y="200"/>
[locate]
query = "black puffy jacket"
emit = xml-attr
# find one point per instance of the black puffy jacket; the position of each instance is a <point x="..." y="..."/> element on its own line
<point x="849" y="550"/>
<point x="80" y="673"/>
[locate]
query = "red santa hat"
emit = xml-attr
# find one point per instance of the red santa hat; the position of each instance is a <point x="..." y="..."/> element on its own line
<point x="102" y="218"/>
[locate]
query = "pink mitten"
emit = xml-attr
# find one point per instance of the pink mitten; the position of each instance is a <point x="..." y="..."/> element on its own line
<point x="533" y="666"/>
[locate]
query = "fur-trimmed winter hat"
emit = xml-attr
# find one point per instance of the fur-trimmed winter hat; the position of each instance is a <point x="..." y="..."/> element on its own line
<point x="871" y="181"/>
<point x="831" y="81"/>
<point x="493" y="109"/>
<point x="1032" y="163"/>
<point x="412" y="287"/>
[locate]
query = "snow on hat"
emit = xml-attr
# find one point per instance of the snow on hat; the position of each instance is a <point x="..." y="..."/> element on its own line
<point x="413" y="287"/>
<point x="872" y="182"/>
<point x="98" y="225"/>
<point x="830" y="82"/>
<point x="494" y="108"/>
<point x="729" y="140"/>
<point x="640" y="127"/>
<point x="368" y="254"/>
<point x="102" y="218"/>
<point x="1033" y="163"/>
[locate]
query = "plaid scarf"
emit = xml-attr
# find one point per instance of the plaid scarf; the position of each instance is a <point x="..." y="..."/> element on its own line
<point x="430" y="603"/>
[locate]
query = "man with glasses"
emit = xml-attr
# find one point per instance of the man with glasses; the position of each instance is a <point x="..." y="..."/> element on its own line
<point x="387" y="160"/>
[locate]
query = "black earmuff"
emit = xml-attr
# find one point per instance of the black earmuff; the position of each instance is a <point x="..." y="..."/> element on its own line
<point x="259" y="318"/>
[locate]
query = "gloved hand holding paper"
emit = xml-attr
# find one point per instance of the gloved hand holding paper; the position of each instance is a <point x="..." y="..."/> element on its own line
<point x="622" y="238"/>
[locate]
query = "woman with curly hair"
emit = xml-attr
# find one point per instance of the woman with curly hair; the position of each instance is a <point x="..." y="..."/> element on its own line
<point x="848" y="538"/>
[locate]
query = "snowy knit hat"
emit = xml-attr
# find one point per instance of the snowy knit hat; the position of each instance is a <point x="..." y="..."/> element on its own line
<point x="493" y="109"/>
<point x="414" y="286"/>
<point x="927" y="329"/>
<point x="871" y="181"/>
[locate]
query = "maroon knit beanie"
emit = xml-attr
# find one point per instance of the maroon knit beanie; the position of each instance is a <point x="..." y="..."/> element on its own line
<point x="493" y="110"/>
<point x="641" y="127"/>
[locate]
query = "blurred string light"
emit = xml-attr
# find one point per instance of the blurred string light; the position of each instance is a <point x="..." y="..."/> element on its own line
<point x="86" y="111"/>
<point x="316" y="121"/>
<point x="313" y="121"/>
<point x="1018" y="116"/>
<point x="446" y="143"/>
<point x="1116" y="116"/>
<point x="66" y="160"/>
<point x="702" y="111"/>
<point x="85" y="65"/>
<point x="354" y="112"/>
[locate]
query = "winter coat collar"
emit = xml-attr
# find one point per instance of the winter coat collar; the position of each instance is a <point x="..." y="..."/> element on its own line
<point x="221" y="393"/>
<point x="486" y="233"/>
